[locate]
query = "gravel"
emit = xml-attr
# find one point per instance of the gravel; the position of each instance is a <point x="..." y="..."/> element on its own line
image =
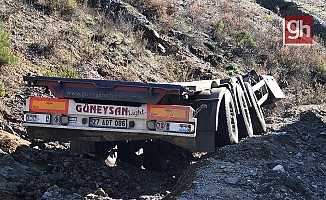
<point x="288" y="164"/>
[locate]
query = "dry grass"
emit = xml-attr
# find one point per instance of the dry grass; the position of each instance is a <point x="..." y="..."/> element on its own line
<point x="316" y="7"/>
<point x="161" y="11"/>
<point x="304" y="67"/>
<point x="195" y="9"/>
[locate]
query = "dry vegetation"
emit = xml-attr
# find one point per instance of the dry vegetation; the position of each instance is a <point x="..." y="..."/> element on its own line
<point x="317" y="7"/>
<point x="86" y="39"/>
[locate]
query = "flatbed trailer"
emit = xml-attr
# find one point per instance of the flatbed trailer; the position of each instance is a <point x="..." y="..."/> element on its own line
<point x="109" y="118"/>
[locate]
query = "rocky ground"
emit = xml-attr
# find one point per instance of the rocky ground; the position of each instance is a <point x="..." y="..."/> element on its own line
<point x="285" y="163"/>
<point x="288" y="162"/>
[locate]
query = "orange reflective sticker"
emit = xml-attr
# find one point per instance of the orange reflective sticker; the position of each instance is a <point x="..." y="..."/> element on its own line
<point x="167" y="112"/>
<point x="49" y="105"/>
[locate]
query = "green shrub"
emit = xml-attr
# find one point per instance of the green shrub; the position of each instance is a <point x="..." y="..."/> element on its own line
<point x="6" y="58"/>
<point x="243" y="39"/>
<point x="232" y="68"/>
<point x="269" y="18"/>
<point x="66" y="8"/>
<point x="320" y="69"/>
<point x="57" y="4"/>
<point x="63" y="72"/>
<point x="218" y="25"/>
<point x="2" y="90"/>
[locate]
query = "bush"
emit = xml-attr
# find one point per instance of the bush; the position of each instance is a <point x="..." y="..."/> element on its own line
<point x="63" y="72"/>
<point x="232" y="68"/>
<point x="57" y="4"/>
<point x="243" y="40"/>
<point x="218" y="28"/>
<point x="2" y="90"/>
<point x="6" y="58"/>
<point x="66" y="8"/>
<point x="320" y="69"/>
<point x="218" y="25"/>
<point x="269" y="18"/>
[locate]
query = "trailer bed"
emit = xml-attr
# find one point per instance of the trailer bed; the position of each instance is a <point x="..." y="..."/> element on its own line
<point x="136" y="92"/>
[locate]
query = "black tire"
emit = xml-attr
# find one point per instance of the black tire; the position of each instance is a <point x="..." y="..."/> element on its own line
<point x="245" y="128"/>
<point x="107" y="153"/>
<point x="227" y="131"/>
<point x="256" y="114"/>
<point x="154" y="157"/>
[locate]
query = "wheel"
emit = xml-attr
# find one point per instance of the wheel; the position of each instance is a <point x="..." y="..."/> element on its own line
<point x="154" y="157"/>
<point x="256" y="114"/>
<point x="107" y="153"/>
<point x="244" y="121"/>
<point x="227" y="131"/>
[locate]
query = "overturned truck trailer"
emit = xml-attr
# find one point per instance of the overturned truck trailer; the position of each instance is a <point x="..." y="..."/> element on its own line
<point x="128" y="119"/>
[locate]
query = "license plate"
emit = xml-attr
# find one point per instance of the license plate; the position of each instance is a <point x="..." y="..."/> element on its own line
<point x="37" y="118"/>
<point x="108" y="123"/>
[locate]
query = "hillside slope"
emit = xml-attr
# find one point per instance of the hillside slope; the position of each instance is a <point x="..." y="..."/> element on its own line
<point x="158" y="41"/>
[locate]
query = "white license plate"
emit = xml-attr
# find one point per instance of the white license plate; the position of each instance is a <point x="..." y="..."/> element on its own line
<point x="108" y="123"/>
<point x="37" y="118"/>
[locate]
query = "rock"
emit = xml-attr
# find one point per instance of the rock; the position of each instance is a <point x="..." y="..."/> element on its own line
<point x="2" y="152"/>
<point x="80" y="182"/>
<point x="297" y="184"/>
<point x="36" y="147"/>
<point x="279" y="168"/>
<point x="77" y="196"/>
<point x="56" y="176"/>
<point x="161" y="47"/>
<point x="67" y="164"/>
<point x="44" y="156"/>
<point x="49" y="167"/>
<point x="231" y="180"/>
<point x="9" y="129"/>
<point x="101" y="192"/>
<point x="298" y="155"/>
<point x="323" y="166"/>
<point x="90" y="196"/>
<point x="253" y="172"/>
<point x="31" y="193"/>
<point x="279" y="133"/>
<point x="46" y="195"/>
